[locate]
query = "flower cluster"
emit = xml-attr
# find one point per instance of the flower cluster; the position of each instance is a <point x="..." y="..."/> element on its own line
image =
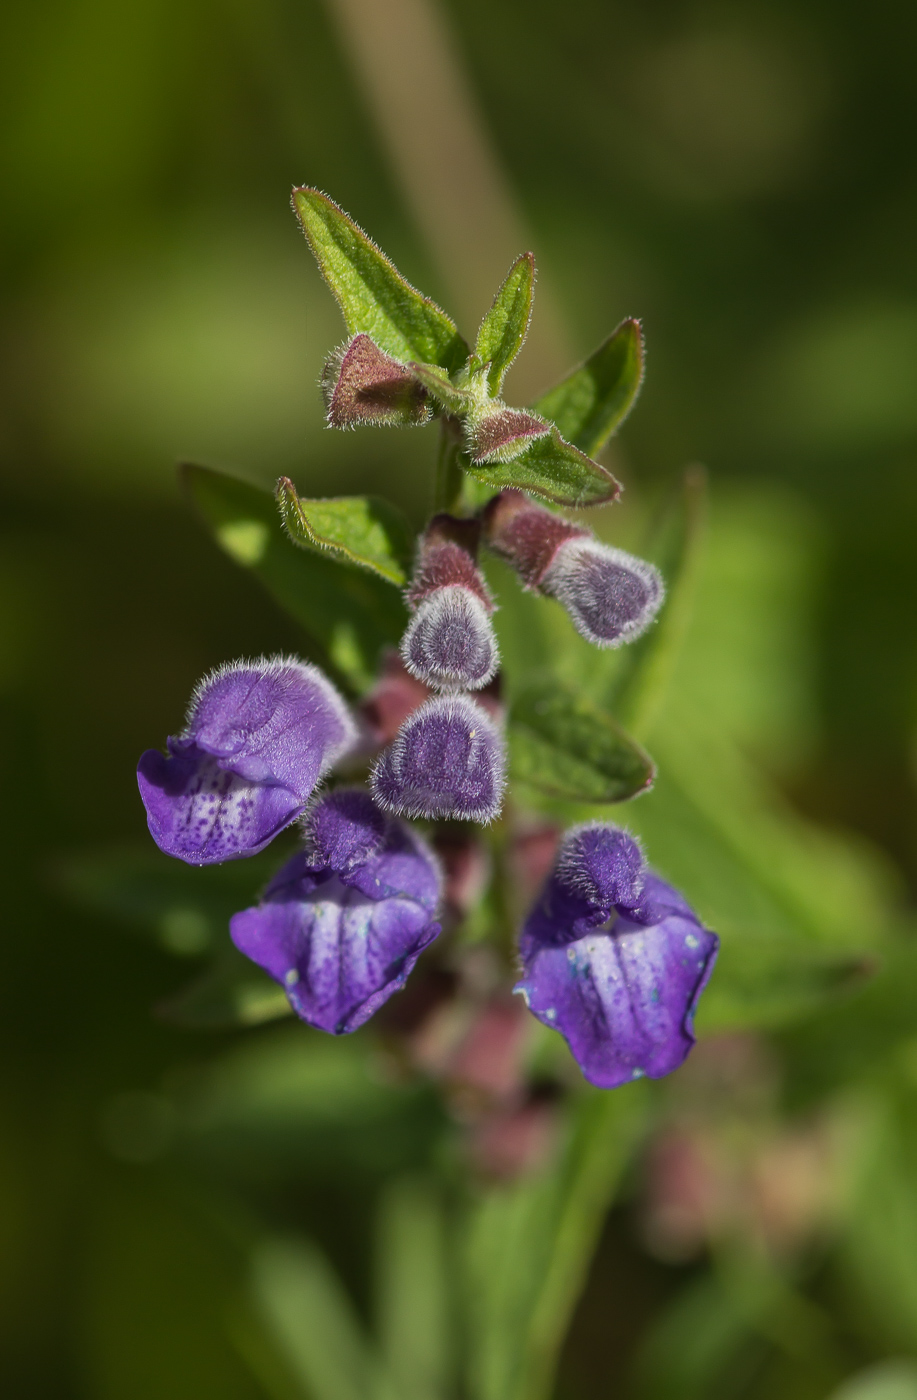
<point x="610" y="955"/>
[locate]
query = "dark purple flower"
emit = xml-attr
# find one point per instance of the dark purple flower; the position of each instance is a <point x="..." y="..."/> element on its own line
<point x="450" y="642"/>
<point x="615" y="959"/>
<point x="448" y="760"/>
<point x="342" y="924"/>
<point x="611" y="596"/>
<point x="259" y="737"/>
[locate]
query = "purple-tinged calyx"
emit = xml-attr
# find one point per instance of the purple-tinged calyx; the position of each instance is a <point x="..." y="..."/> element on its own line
<point x="362" y="384"/>
<point x="501" y="434"/>
<point x="448" y="760"/>
<point x="611" y="596"/>
<point x="615" y="959"/>
<point x="259" y="737"/>
<point x="342" y="924"/>
<point x="450" y="643"/>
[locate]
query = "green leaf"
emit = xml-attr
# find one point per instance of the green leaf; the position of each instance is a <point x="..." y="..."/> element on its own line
<point x="232" y="992"/>
<point x="413" y="1289"/>
<point x="595" y="398"/>
<point x="366" y="530"/>
<point x="562" y="744"/>
<point x="306" y="1308"/>
<point x="642" y="676"/>
<point x="440" y="386"/>
<point x="528" y="1246"/>
<point x="350" y="613"/>
<point x="554" y="469"/>
<point x="506" y="324"/>
<point x="372" y="294"/>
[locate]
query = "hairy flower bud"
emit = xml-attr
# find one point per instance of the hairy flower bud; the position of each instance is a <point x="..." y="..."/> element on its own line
<point x="449" y="643"/>
<point x="611" y="596"/>
<point x="259" y="737"/>
<point x="362" y="384"/>
<point x="501" y="434"/>
<point x="615" y="959"/>
<point x="342" y="924"/>
<point x="448" y="760"/>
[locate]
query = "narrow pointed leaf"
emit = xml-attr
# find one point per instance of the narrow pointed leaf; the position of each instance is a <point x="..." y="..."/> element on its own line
<point x="413" y="1287"/>
<point x="563" y="745"/>
<point x="366" y="530"/>
<point x="596" y="397"/>
<point x="350" y="614"/>
<point x="554" y="469"/>
<point x="640" y="682"/>
<point x="506" y="324"/>
<point x="528" y="1247"/>
<point x="441" y="388"/>
<point x="371" y="292"/>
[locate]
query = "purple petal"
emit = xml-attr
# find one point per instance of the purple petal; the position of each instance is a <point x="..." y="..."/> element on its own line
<point x="259" y="737"/>
<point x="611" y="596"/>
<point x="340" y="945"/>
<point x="604" y="865"/>
<point x="448" y="760"/>
<point x="450" y="642"/>
<point x="624" y="1000"/>
<point x="344" y="829"/>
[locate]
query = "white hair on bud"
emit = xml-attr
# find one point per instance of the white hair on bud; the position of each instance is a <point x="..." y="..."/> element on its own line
<point x="571" y="867"/>
<point x="450" y="642"/>
<point x="263" y="666"/>
<point x="611" y="596"/>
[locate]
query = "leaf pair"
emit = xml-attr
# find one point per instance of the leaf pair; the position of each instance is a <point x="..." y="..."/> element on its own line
<point x="506" y="446"/>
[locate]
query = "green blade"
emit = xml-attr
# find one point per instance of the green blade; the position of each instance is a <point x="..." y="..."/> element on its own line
<point x="366" y="530"/>
<point x="350" y="613"/>
<point x="506" y="324"/>
<point x="563" y="745"/>
<point x="595" y="398"/>
<point x="371" y="292"/>
<point x="553" y="469"/>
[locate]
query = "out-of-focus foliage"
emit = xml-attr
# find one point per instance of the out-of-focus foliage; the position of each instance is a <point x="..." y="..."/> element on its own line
<point x="201" y="1213"/>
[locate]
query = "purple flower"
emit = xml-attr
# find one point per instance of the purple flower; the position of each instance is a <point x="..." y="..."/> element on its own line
<point x="611" y="596"/>
<point x="615" y="959"/>
<point x="450" y="642"/>
<point x="259" y="737"/>
<point x="448" y="760"/>
<point x="342" y="924"/>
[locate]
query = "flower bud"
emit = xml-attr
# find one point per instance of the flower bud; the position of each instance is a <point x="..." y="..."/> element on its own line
<point x="449" y="643"/>
<point x="362" y="384"/>
<point x="503" y="433"/>
<point x="449" y="760"/>
<point x="611" y="596"/>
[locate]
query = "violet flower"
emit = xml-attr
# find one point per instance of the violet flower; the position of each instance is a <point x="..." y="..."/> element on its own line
<point x="611" y="596"/>
<point x="615" y="959"/>
<point x="448" y="760"/>
<point x="342" y="924"/>
<point x="259" y="737"/>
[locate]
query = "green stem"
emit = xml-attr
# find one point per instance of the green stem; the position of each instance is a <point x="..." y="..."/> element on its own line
<point x="448" y="487"/>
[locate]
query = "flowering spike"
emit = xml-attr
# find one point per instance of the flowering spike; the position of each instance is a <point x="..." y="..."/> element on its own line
<point x="362" y="384"/>
<point x="611" y="596"/>
<point x="259" y="737"/>
<point x="450" y="643"/>
<point x="448" y="760"/>
<point x="342" y="924"/>
<point x="615" y="960"/>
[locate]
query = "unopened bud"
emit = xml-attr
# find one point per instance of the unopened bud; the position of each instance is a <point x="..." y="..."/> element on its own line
<point x="503" y="433"/>
<point x="362" y="384"/>
<point x="610" y="595"/>
<point x="449" y="760"/>
<point x="449" y="643"/>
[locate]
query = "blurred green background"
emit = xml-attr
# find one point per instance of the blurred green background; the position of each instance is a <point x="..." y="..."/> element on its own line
<point x="744" y="178"/>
